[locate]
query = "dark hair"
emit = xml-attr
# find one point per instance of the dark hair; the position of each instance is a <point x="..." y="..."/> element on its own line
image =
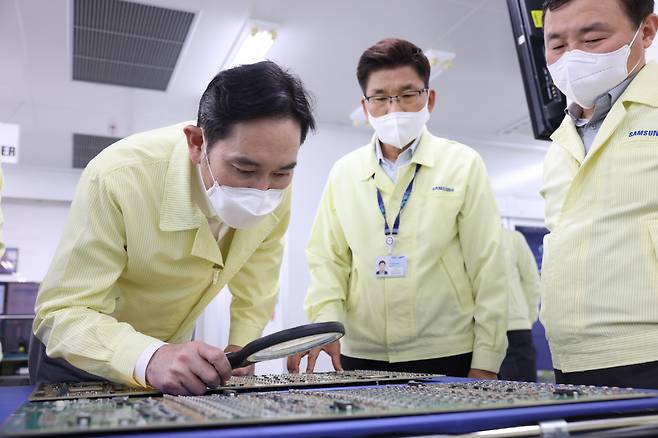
<point x="636" y="10"/>
<point x="250" y="92"/>
<point x="392" y="53"/>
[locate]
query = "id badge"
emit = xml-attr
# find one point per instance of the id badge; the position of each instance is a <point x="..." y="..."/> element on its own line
<point x="390" y="266"/>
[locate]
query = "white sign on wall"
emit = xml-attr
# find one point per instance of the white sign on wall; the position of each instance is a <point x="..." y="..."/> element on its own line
<point x="9" y="134"/>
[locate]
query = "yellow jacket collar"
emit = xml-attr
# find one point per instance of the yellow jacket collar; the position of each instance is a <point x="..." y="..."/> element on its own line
<point x="422" y="155"/>
<point x="644" y="88"/>
<point x="567" y="137"/>
<point x="179" y="211"/>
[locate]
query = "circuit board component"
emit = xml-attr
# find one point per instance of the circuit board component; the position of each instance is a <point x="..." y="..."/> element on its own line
<point x="233" y="408"/>
<point x="63" y="391"/>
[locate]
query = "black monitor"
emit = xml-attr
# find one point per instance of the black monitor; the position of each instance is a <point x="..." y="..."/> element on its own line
<point x="20" y="298"/>
<point x="15" y="335"/>
<point x="545" y="102"/>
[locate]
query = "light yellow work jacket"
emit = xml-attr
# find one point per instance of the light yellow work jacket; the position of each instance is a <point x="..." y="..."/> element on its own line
<point x="453" y="299"/>
<point x="523" y="277"/>
<point x="138" y="262"/>
<point x="600" y="268"/>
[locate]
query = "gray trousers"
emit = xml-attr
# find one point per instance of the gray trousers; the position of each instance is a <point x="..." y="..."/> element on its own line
<point x="44" y="369"/>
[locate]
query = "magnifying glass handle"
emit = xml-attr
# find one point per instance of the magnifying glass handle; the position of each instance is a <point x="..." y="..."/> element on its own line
<point x="235" y="359"/>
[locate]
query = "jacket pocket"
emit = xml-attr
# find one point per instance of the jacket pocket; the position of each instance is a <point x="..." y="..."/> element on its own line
<point x="454" y="287"/>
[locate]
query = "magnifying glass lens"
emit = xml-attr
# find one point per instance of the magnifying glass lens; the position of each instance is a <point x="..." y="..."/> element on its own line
<point x="287" y="342"/>
<point x="288" y="348"/>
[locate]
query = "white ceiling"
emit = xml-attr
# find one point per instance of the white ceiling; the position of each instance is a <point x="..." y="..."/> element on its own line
<point x="479" y="98"/>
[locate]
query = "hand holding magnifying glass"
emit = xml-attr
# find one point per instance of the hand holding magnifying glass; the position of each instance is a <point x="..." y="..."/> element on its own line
<point x="191" y="367"/>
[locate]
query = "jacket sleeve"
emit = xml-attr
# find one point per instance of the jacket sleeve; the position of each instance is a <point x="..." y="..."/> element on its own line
<point x="78" y="295"/>
<point x="480" y="238"/>
<point x="330" y="261"/>
<point x="530" y="282"/>
<point x="254" y="289"/>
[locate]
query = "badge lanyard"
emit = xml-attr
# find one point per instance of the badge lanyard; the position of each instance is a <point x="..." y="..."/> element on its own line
<point x="388" y="232"/>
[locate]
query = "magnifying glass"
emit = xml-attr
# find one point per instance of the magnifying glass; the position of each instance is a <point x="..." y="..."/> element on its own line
<point x="287" y="342"/>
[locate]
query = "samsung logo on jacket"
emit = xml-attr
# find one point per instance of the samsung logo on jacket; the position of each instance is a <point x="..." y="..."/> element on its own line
<point x="644" y="133"/>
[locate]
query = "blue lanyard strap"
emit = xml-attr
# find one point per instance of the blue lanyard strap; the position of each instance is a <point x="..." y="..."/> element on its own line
<point x="403" y="203"/>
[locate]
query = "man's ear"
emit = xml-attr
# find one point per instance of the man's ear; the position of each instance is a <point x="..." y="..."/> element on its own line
<point x="194" y="136"/>
<point x="431" y="99"/>
<point x="363" y="107"/>
<point x="649" y="29"/>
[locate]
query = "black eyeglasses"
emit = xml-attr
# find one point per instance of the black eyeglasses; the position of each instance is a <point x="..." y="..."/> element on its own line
<point x="407" y="99"/>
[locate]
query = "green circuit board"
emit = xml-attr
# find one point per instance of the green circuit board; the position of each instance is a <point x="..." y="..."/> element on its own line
<point x="63" y="391"/>
<point x="232" y="408"/>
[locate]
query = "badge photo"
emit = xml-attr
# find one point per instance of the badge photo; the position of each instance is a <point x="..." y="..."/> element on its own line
<point x="390" y="266"/>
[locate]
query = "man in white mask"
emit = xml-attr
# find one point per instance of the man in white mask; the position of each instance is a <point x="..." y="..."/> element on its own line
<point x="160" y="223"/>
<point x="422" y="207"/>
<point x="600" y="266"/>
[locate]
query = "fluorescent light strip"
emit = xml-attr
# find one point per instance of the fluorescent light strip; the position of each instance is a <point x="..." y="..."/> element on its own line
<point x="253" y="43"/>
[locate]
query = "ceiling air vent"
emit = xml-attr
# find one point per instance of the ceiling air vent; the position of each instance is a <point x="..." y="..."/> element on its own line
<point x="86" y="147"/>
<point x="124" y="43"/>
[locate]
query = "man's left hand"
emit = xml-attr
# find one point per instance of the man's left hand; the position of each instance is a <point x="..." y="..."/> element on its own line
<point x="249" y="370"/>
<point x="474" y="373"/>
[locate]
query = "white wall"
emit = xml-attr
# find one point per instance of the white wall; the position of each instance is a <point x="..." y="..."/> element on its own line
<point x="39" y="183"/>
<point x="35" y="204"/>
<point x="35" y="228"/>
<point x="515" y="171"/>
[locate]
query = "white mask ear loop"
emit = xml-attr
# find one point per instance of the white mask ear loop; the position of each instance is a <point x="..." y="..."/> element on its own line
<point x="205" y="155"/>
<point x="630" y="49"/>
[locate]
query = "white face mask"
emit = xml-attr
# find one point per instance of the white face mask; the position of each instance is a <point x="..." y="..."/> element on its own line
<point x="584" y="77"/>
<point x="241" y="207"/>
<point x="400" y="128"/>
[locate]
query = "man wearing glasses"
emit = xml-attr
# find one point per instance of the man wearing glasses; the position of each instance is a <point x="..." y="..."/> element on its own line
<point x="423" y="206"/>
